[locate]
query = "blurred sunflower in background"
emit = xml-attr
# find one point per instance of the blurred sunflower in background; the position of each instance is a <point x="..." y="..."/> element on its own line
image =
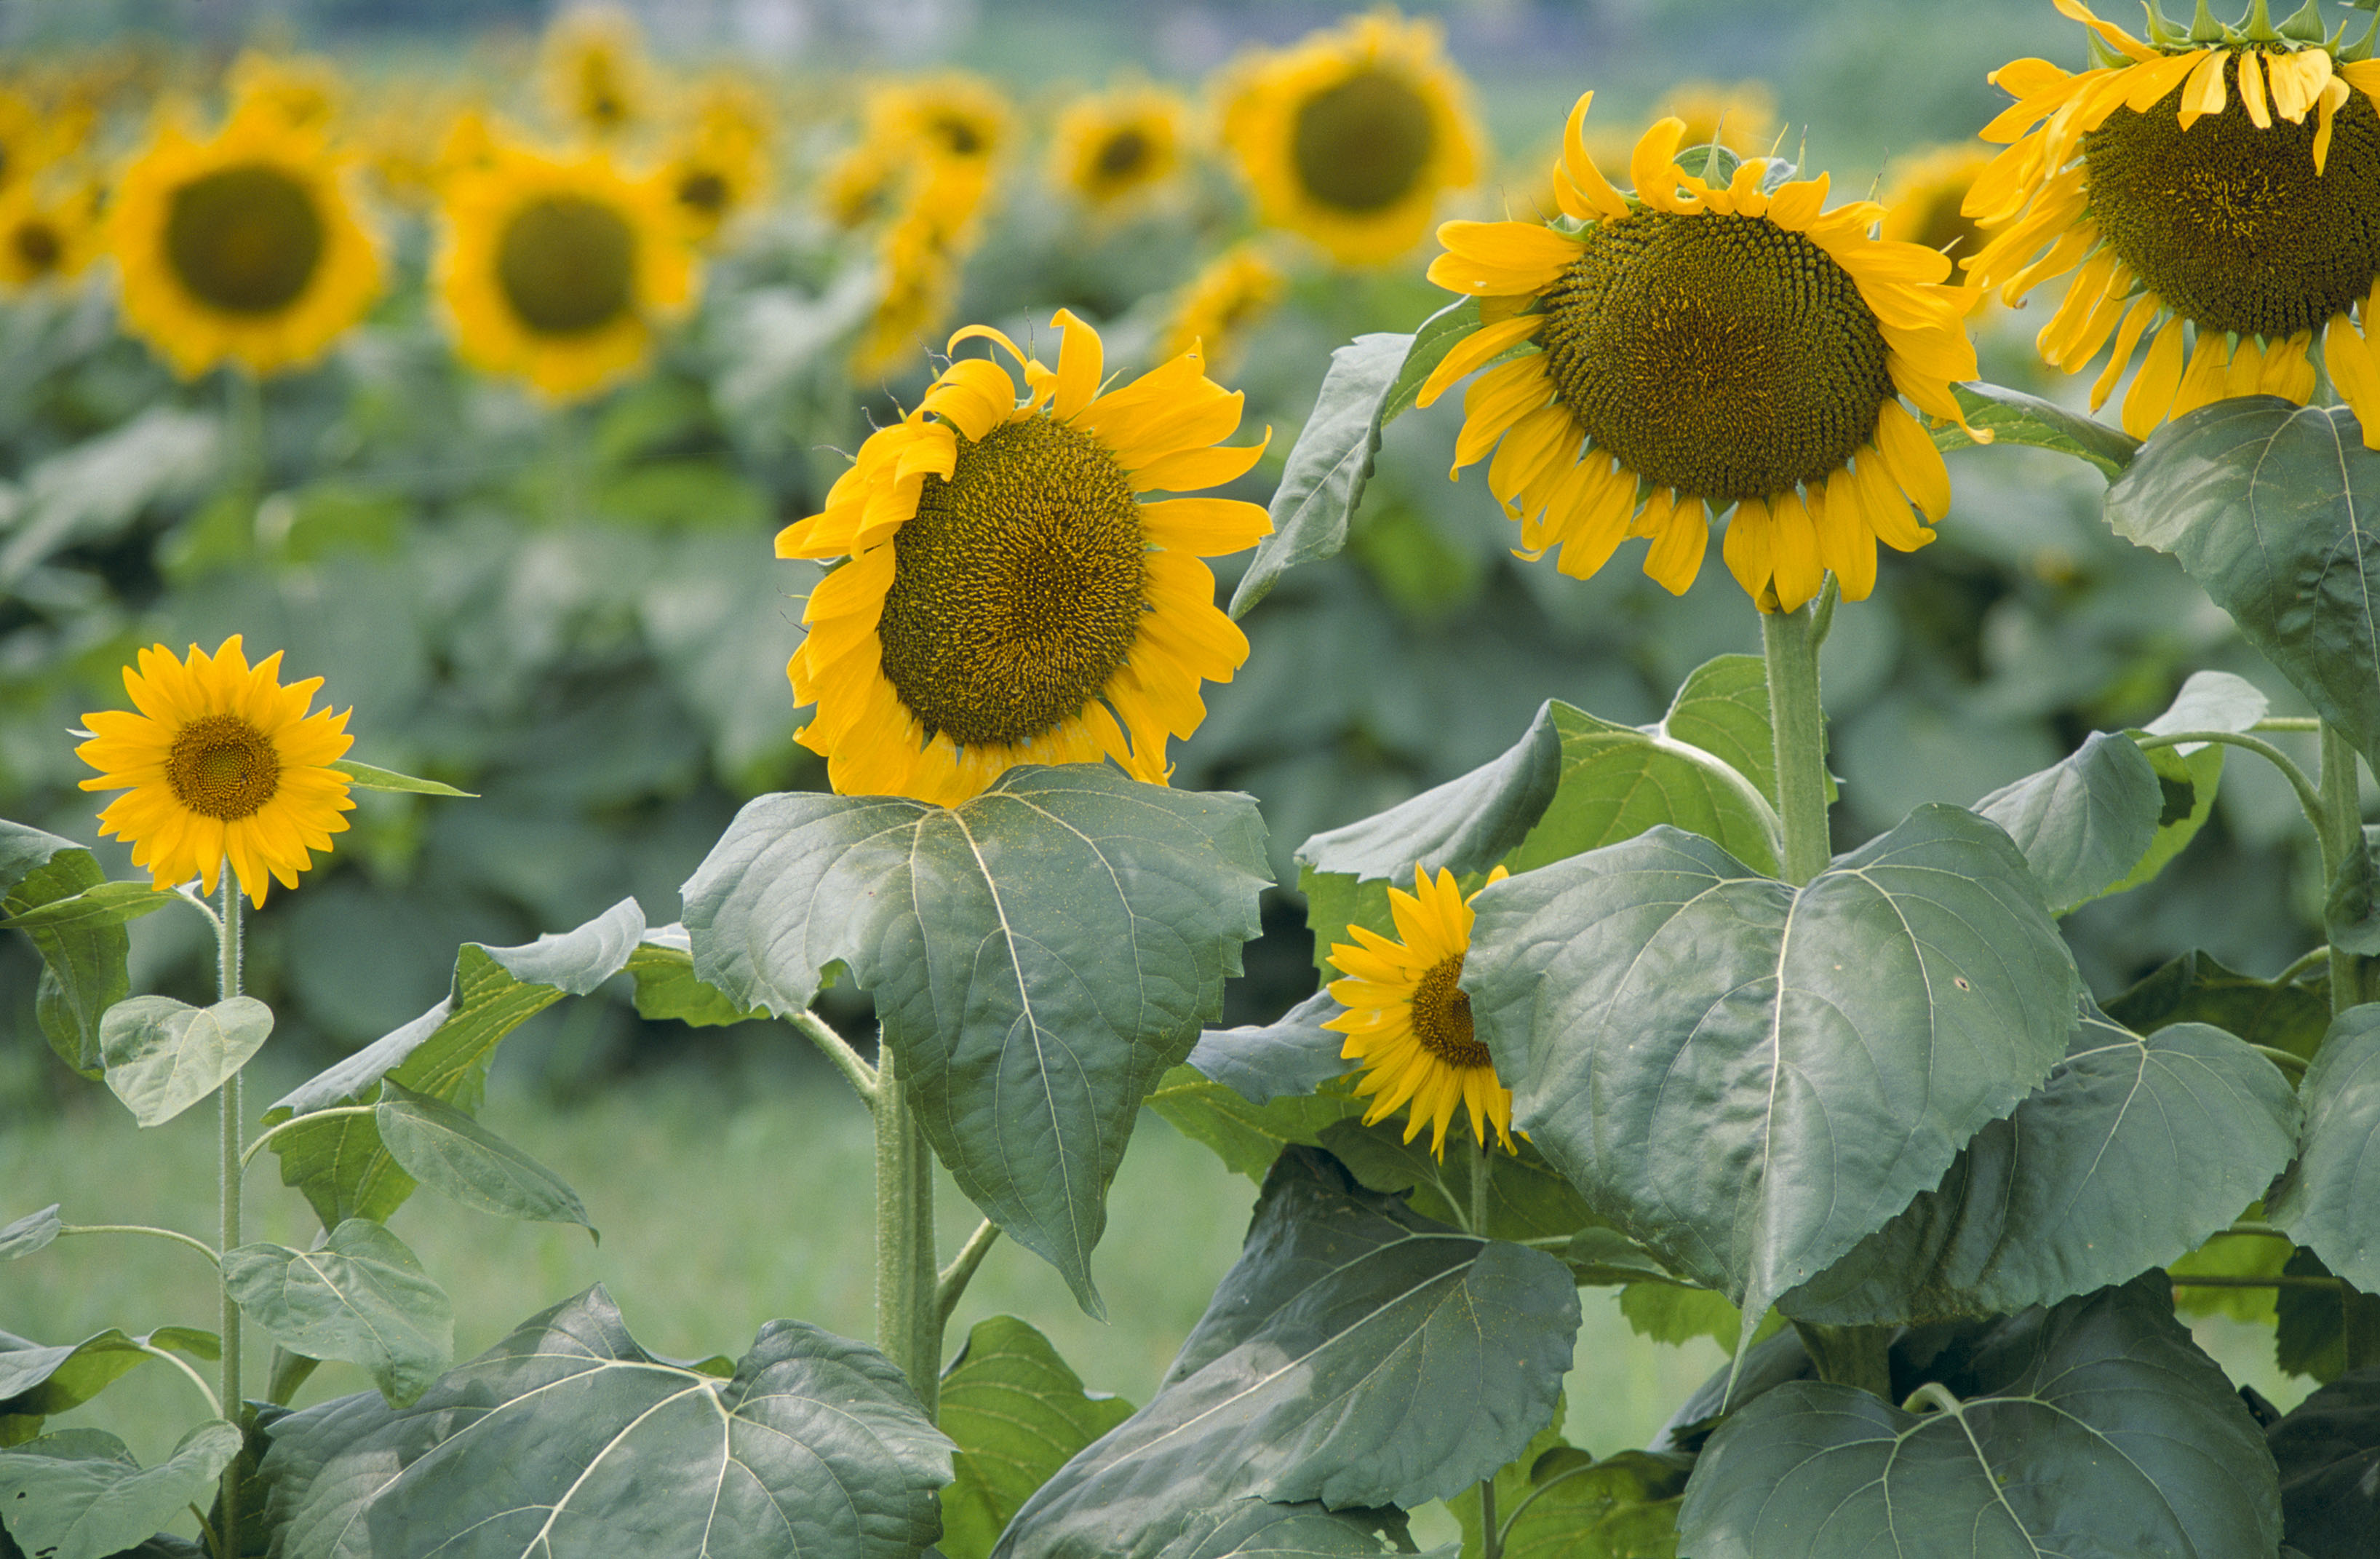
<point x="718" y="165"/>
<point x="1351" y="137"/>
<point x="50" y="236"/>
<point x="1740" y="115"/>
<point x="246" y="247"/>
<point x="1409" y="1022"/>
<point x="592" y="63"/>
<point x="1694" y="348"/>
<point x="1222" y="304"/>
<point x="220" y="762"/>
<point x="1109" y="148"/>
<point x="919" y="264"/>
<point x="304" y="92"/>
<point x="1922" y="194"/>
<point x="28" y="142"/>
<point x="1009" y="596"/>
<point x="954" y="118"/>
<point x="2212" y="193"/>
<point x="561" y="270"/>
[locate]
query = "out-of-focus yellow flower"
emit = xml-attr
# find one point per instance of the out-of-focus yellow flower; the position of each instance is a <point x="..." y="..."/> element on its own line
<point x="1222" y="304"/>
<point x="597" y="78"/>
<point x="1113" y="146"/>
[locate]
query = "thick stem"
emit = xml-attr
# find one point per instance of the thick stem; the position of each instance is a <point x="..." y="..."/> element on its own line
<point x="951" y="1287"/>
<point x="836" y="1049"/>
<point x="1492" y="1540"/>
<point x="1800" y="728"/>
<point x="908" y="1311"/>
<point x="227" y="946"/>
<point x="2341" y="827"/>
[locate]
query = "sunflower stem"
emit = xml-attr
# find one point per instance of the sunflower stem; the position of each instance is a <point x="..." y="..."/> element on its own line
<point x="227" y="945"/>
<point x="244" y="428"/>
<point x="1791" y="646"/>
<point x="2341" y="827"/>
<point x="908" y="1308"/>
<point x="566" y="457"/>
<point x="1479" y="1171"/>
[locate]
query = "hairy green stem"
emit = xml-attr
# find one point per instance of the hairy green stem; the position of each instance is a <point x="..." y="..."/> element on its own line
<point x="836" y="1048"/>
<point x="2309" y="800"/>
<point x="182" y="1364"/>
<point x="1790" y="648"/>
<point x="2278" y="1280"/>
<point x="908" y="1311"/>
<point x="2306" y="723"/>
<point x="201" y="1247"/>
<point x="248" y="1155"/>
<point x="2306" y="964"/>
<point x="2288" y="1061"/>
<point x="951" y="1284"/>
<point x="227" y="946"/>
<point x="1491" y="1539"/>
<point x="2342" y="840"/>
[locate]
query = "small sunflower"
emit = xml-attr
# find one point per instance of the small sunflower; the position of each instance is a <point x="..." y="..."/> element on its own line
<point x="1409" y="1022"/>
<point x="1741" y="117"/>
<point x="952" y="116"/>
<point x="220" y="762"/>
<point x="597" y="79"/>
<point x="1009" y="597"/>
<point x="560" y="270"/>
<point x="2212" y="193"/>
<point x="304" y="91"/>
<point x="52" y="238"/>
<point x="1113" y="146"/>
<point x="1351" y="137"/>
<point x="246" y="247"/>
<point x="1691" y="348"/>
<point x="718" y="165"/>
<point x="920" y="272"/>
<point x="1923" y="193"/>
<point x="862" y="184"/>
<point x="1222" y="302"/>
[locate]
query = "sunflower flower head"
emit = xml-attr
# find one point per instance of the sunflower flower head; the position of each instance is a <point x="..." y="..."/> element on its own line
<point x="2210" y="191"/>
<point x="1353" y="137"/>
<point x="1922" y="194"/>
<point x="303" y="91"/>
<point x="1408" y="1019"/>
<point x="718" y="165"/>
<point x="597" y="78"/>
<point x="221" y="762"/>
<point x="1740" y="115"/>
<point x="1113" y="148"/>
<point x="48" y="235"/>
<point x="1007" y="595"/>
<point x="1223" y="303"/>
<point x="1696" y="347"/>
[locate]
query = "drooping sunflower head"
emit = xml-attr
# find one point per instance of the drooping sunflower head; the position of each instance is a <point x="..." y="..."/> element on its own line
<point x="1224" y="302"/>
<point x="2211" y="192"/>
<point x="247" y="247"/>
<point x="560" y="270"/>
<point x="1008" y="595"/>
<point x="1113" y="146"/>
<point x="1922" y="194"/>
<point x="1408" y="1019"/>
<point x="49" y="235"/>
<point x="220" y="762"/>
<point x="1351" y="137"/>
<point x="1740" y="115"/>
<point x="596" y="77"/>
<point x="1696" y="347"/>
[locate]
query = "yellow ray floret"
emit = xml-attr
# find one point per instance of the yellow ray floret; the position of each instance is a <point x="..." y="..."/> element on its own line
<point x="1008" y="595"/>
<point x="1667" y="355"/>
<point x="220" y="763"/>
<point x="1409" y="1022"/>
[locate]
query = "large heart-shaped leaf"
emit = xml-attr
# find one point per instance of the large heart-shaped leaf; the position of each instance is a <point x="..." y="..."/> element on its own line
<point x="1752" y="1080"/>
<point x="1246" y="1137"/>
<point x="1359" y="1354"/>
<point x="83" y="961"/>
<point x="361" y="1297"/>
<point x="163" y="1056"/>
<point x="2132" y="1153"/>
<point x="568" y="1440"/>
<point x="79" y="1495"/>
<point x="1018" y="1414"/>
<point x="2084" y="823"/>
<point x="37" y="1383"/>
<point x="2268" y="506"/>
<point x="2094" y="1428"/>
<point x="1039" y="956"/>
<point x="2329" y="1450"/>
<point x="2327" y="1199"/>
<point x="1291" y="1056"/>
<point x="341" y="1165"/>
<point x="441" y="1146"/>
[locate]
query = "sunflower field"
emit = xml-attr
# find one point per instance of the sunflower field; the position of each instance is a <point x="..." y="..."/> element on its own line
<point x="1686" y="680"/>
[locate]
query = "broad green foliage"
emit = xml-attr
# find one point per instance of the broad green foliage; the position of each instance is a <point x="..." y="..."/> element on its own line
<point x="1039" y="956"/>
<point x="2326" y="1200"/>
<point x="2196" y="988"/>
<point x="1571" y="1506"/>
<point x="33" y="1232"/>
<point x="1359" y="1354"/>
<point x="2268" y="505"/>
<point x="2012" y="416"/>
<point x="441" y="1147"/>
<point x="1752" y="1080"/>
<point x="37" y="1383"/>
<point x="2321" y="1327"/>
<point x="1527" y="1198"/>
<point x="1249" y="1092"/>
<point x="1017" y="1414"/>
<point x="2092" y="1426"/>
<point x="2085" y="824"/>
<point x="359" y="1295"/>
<point x="83" y="972"/>
<point x="568" y="1437"/>
<point x="2329" y="1450"/>
<point x="666" y="987"/>
<point x="79" y="1495"/>
<point x="2134" y="1152"/>
<point x="163" y="1056"/>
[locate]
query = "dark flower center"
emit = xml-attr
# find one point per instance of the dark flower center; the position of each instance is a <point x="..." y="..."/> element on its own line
<point x="1362" y="144"/>
<point x="567" y="265"/>
<point x="1122" y="155"/>
<point x="1441" y="1016"/>
<point x="704" y="192"/>
<point x="245" y="239"/>
<point x="220" y="766"/>
<point x="38" y="246"/>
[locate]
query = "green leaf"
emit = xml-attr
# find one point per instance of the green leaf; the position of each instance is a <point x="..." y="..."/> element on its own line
<point x="1018" y="1414"/>
<point x="1237" y="1529"/>
<point x="2328" y="1451"/>
<point x="1618" y="781"/>
<point x="1464" y="826"/>
<point x="2196" y="988"/>
<point x="1358" y="1355"/>
<point x="568" y="1438"/>
<point x="1039" y="956"/>
<point x="2267" y="504"/>
<point x="2350" y="914"/>
<point x="341" y="1165"/>
<point x="364" y="777"/>
<point x="2323" y="1331"/>
<point x="2188" y="783"/>
<point x="2212" y="700"/>
<point x="1511" y="1483"/>
<point x="1372" y="381"/>
<point x="2325" y="1200"/>
<point x="2084" y="823"/>
<point x="1676" y="1313"/>
<point x="78" y="1495"/>
<point x="2132" y="1153"/>
<point x="83" y="964"/>
<point x="1246" y="1137"/>
<point x="666" y="987"/>
<point x="1750" y="1079"/>
<point x="361" y="1297"/>
<point x="441" y="1146"/>
<point x="37" y="1383"/>
<point x="1527" y="1198"/>
<point x="2013" y="417"/>
<point x="1287" y="1058"/>
<point x="33" y="1232"/>
<point x="163" y="1056"/>
<point x="2092" y="1428"/>
<point x="109" y="904"/>
<point x="2230" y="1255"/>
<point x="1623" y="1508"/>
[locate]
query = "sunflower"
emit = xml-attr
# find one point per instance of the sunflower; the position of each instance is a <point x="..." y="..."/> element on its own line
<point x="719" y="164"/>
<point x="596" y="76"/>
<point x="952" y="116"/>
<point x="1238" y="287"/>
<point x="1009" y="598"/>
<point x="27" y="141"/>
<point x="304" y="91"/>
<point x="1923" y="193"/>
<point x="2212" y="195"/>
<point x="1741" y="117"/>
<point x="1409" y="1022"/>
<point x="560" y="270"/>
<point x="48" y="238"/>
<point x="222" y="761"/>
<point x="861" y="184"/>
<point x="1692" y="348"/>
<point x="1351" y="137"/>
<point x="1115" y="145"/>
<point x="246" y="247"/>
